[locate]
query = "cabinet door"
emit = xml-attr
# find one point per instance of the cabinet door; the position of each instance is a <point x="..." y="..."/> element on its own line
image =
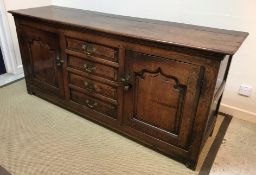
<point x="161" y="97"/>
<point x="40" y="52"/>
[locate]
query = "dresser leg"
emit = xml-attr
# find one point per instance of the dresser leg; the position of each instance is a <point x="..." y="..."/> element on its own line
<point x="30" y="92"/>
<point x="191" y="164"/>
<point x="211" y="133"/>
<point x="212" y="129"/>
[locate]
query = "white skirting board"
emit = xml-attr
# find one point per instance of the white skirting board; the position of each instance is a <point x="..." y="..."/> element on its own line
<point x="9" y="78"/>
<point x="238" y="113"/>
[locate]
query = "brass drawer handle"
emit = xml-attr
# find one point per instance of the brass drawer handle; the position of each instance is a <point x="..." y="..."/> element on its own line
<point x="91" y="104"/>
<point x="89" y="49"/>
<point x="91" y="87"/>
<point x="89" y="67"/>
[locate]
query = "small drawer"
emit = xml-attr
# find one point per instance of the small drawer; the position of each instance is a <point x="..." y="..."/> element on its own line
<point x="93" y="87"/>
<point x="95" y="105"/>
<point x="92" y="49"/>
<point x="92" y="67"/>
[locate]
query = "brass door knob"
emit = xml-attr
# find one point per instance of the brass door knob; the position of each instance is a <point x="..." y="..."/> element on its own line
<point x="125" y="80"/>
<point x="59" y="61"/>
<point x="127" y="87"/>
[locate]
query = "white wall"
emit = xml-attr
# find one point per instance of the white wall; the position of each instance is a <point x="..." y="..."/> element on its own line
<point x="13" y="5"/>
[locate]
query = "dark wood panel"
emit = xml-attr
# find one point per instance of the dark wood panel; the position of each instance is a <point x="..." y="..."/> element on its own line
<point x="93" y="77"/>
<point x="91" y="67"/>
<point x="41" y="55"/>
<point x="43" y="60"/>
<point x="93" y="104"/>
<point x="159" y="101"/>
<point x="93" y="87"/>
<point x="92" y="49"/>
<point x="204" y="38"/>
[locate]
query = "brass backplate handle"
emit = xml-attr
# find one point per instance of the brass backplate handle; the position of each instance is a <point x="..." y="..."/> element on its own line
<point x="90" y="86"/>
<point x="88" y="48"/>
<point x="89" y="67"/>
<point x="91" y="104"/>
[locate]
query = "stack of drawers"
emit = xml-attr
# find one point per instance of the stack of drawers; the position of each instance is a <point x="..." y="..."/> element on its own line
<point x="92" y="75"/>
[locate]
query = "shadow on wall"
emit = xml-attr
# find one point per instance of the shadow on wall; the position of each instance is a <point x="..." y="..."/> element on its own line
<point x="2" y="66"/>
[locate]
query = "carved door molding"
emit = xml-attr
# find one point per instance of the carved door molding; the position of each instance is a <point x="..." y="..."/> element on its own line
<point x="162" y="100"/>
<point x="42" y="52"/>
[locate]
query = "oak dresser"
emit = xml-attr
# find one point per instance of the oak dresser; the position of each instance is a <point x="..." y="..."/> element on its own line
<point x="159" y="83"/>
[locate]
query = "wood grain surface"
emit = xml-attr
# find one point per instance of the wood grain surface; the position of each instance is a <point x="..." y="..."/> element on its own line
<point x="217" y="40"/>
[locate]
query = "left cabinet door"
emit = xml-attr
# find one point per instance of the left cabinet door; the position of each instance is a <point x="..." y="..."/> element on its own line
<point x="41" y="57"/>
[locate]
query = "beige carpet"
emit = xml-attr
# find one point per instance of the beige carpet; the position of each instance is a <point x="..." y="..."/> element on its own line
<point x="37" y="137"/>
<point x="237" y="154"/>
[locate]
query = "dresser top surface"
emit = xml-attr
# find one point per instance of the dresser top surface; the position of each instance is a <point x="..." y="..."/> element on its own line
<point x="198" y="37"/>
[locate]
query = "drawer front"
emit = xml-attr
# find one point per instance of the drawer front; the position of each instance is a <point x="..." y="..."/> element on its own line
<point x="93" y="87"/>
<point x="93" y="104"/>
<point x="92" y="49"/>
<point x="92" y="67"/>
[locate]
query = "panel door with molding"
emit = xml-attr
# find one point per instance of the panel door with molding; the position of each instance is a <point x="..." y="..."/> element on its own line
<point x="160" y="97"/>
<point x="41" y="50"/>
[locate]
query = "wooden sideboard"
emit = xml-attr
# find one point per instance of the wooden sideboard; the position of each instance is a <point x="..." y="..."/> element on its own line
<point x="157" y="82"/>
